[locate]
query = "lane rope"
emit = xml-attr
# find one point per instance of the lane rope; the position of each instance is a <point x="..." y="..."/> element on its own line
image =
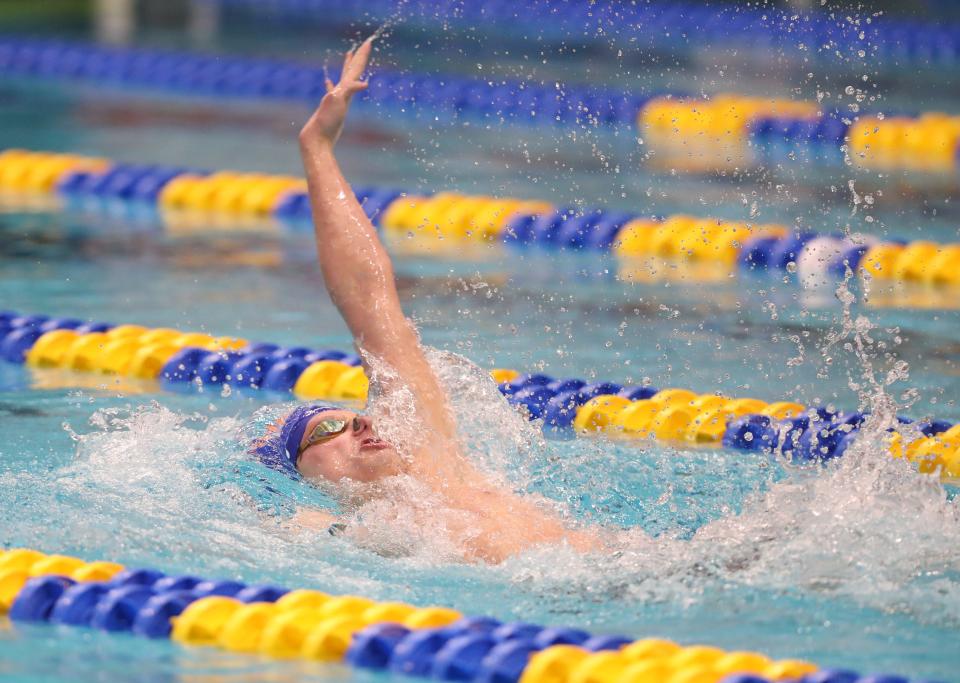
<point x="671" y="415"/>
<point x="394" y="637"/>
<point x="724" y="131"/>
<point x="707" y="248"/>
<point x="888" y="40"/>
<point x="228" y="76"/>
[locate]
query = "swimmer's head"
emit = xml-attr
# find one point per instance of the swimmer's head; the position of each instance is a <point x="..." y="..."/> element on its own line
<point x="329" y="443"/>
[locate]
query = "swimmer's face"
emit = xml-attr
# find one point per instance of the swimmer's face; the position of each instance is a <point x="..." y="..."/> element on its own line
<point x="355" y="454"/>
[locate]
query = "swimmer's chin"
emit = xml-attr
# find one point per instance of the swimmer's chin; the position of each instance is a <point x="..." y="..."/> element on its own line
<point x="378" y="460"/>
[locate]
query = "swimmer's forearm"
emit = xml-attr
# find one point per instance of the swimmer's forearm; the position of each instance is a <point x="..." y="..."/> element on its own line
<point x="356" y="268"/>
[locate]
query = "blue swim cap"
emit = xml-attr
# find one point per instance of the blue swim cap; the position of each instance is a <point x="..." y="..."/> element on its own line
<point x="279" y="448"/>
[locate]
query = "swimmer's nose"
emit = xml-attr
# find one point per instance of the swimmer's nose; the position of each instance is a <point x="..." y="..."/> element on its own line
<point x="362" y="424"/>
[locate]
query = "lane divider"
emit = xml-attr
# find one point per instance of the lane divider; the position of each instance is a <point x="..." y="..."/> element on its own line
<point x="175" y="356"/>
<point x="723" y="118"/>
<point x="927" y="142"/>
<point x="42" y="172"/>
<point x="716" y="247"/>
<point x="225" y="76"/>
<point x="393" y="637"/>
<point x="672" y="415"/>
<point x="889" y="40"/>
<point x="724" y="129"/>
<point x="729" y="131"/>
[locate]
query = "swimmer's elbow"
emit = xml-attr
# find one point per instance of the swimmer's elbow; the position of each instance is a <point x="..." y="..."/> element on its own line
<point x="494" y="551"/>
<point x="488" y="553"/>
<point x="587" y="541"/>
<point x="355" y="276"/>
<point x="311" y="520"/>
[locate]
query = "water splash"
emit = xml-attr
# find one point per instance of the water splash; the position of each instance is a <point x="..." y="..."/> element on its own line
<point x="151" y="482"/>
<point x="866" y="527"/>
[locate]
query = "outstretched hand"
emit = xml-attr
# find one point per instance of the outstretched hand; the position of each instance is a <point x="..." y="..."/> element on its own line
<point x="327" y="121"/>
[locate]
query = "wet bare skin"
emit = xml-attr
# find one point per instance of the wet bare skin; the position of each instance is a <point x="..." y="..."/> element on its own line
<point x="359" y="276"/>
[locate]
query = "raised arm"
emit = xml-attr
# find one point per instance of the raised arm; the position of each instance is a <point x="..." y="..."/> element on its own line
<point x="356" y="267"/>
<point x="359" y="276"/>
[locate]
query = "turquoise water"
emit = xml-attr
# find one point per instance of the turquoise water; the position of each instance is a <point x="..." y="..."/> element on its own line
<point x="851" y="565"/>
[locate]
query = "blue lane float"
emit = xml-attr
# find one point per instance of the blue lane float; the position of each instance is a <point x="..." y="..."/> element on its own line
<point x="450" y="96"/>
<point x="888" y="40"/>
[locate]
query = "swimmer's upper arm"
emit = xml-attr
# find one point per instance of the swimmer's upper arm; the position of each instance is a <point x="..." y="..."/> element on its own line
<point x="507" y="524"/>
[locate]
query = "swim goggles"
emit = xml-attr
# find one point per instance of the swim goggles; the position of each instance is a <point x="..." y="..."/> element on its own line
<point x="326" y="430"/>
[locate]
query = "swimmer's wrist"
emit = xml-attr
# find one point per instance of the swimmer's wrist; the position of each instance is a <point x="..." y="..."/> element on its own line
<point x="314" y="143"/>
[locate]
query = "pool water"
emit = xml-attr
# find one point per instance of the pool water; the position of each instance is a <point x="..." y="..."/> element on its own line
<point x="851" y="564"/>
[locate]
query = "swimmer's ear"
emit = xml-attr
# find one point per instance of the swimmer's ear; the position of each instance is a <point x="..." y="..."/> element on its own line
<point x="274" y="427"/>
<point x="269" y="434"/>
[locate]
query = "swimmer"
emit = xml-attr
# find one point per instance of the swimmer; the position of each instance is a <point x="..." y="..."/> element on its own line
<point x="484" y="520"/>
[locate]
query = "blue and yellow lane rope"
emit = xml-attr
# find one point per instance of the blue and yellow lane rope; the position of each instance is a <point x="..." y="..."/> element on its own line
<point x="711" y="247"/>
<point x="671" y="415"/>
<point x="724" y="131"/>
<point x="396" y="637"/>
<point x="729" y="130"/>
